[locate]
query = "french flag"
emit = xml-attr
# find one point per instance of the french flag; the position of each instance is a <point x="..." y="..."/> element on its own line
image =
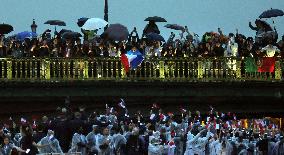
<point x="131" y="60"/>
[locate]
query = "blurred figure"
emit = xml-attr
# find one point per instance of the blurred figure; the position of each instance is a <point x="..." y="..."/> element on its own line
<point x="105" y="143"/>
<point x="7" y="146"/>
<point x="151" y="27"/>
<point x="135" y="144"/>
<point x="92" y="140"/>
<point x="79" y="143"/>
<point x="3" y="48"/>
<point x="49" y="144"/>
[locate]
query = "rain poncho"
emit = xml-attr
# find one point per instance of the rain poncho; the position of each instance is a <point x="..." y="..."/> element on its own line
<point x="52" y="145"/>
<point x="78" y="144"/>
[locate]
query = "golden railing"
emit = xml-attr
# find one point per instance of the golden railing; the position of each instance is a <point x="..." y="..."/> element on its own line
<point x="156" y="69"/>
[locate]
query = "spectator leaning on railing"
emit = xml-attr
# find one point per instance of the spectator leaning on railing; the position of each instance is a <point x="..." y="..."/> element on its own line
<point x="213" y="44"/>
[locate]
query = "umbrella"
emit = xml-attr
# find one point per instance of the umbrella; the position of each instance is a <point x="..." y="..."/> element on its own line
<point x="55" y="22"/>
<point x="116" y="32"/>
<point x="6" y="28"/>
<point x="155" y="19"/>
<point x="154" y="37"/>
<point x="63" y="31"/>
<point x="71" y="35"/>
<point x="175" y="27"/>
<point x="264" y="24"/>
<point x="23" y="35"/>
<point x="94" y="23"/>
<point x="271" y="13"/>
<point x="82" y="21"/>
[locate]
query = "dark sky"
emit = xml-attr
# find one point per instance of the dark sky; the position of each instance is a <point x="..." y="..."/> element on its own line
<point x="199" y="15"/>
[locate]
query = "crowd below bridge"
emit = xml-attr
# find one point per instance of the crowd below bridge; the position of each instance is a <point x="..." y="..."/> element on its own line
<point x="116" y="132"/>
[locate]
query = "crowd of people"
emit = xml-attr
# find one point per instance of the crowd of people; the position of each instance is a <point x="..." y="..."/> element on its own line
<point x="114" y="132"/>
<point x="259" y="52"/>
<point x="187" y="44"/>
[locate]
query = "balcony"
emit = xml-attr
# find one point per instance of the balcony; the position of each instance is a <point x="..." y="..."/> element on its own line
<point x="111" y="69"/>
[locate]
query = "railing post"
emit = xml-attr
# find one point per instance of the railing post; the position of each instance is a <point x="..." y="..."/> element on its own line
<point x="86" y="69"/>
<point x="9" y="69"/>
<point x="123" y="73"/>
<point x="238" y="69"/>
<point x="278" y="70"/>
<point x="199" y="70"/>
<point x="81" y="69"/>
<point x="47" y="69"/>
<point x="16" y="68"/>
<point x="162" y="69"/>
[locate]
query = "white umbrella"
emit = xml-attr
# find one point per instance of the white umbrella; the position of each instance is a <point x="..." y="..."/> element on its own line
<point x="94" y="23"/>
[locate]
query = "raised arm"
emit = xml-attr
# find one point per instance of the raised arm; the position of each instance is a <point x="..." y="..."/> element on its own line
<point x="252" y="27"/>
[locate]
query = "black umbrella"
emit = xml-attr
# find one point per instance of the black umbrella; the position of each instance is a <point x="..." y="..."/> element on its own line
<point x="55" y="22"/>
<point x="71" y="35"/>
<point x="175" y="27"/>
<point x="154" y="37"/>
<point x="82" y="21"/>
<point x="6" y="28"/>
<point x="63" y="31"/>
<point x="156" y="19"/>
<point x="264" y="24"/>
<point x="271" y="13"/>
<point x="116" y="32"/>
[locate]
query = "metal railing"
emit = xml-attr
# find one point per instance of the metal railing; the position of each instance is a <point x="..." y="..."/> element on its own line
<point x="156" y="69"/>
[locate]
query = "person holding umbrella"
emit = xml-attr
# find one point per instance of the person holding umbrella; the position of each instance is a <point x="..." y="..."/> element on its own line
<point x="171" y="38"/>
<point x="6" y="28"/>
<point x="91" y="27"/>
<point x="260" y="27"/>
<point x="55" y="23"/>
<point x="151" y="27"/>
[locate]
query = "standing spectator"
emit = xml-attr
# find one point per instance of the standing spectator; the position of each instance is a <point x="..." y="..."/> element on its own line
<point x="44" y="49"/>
<point x="27" y="141"/>
<point x="17" y="51"/>
<point x="34" y="48"/>
<point x="63" y="133"/>
<point x="79" y="142"/>
<point x="78" y="49"/>
<point x="281" y="46"/>
<point x="3" y="48"/>
<point x="151" y="27"/>
<point x="135" y="144"/>
<point x="119" y="141"/>
<point x="218" y="50"/>
<point x="105" y="143"/>
<point x="268" y="60"/>
<point x="92" y="140"/>
<point x="50" y="144"/>
<point x="69" y="49"/>
<point x="7" y="146"/>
